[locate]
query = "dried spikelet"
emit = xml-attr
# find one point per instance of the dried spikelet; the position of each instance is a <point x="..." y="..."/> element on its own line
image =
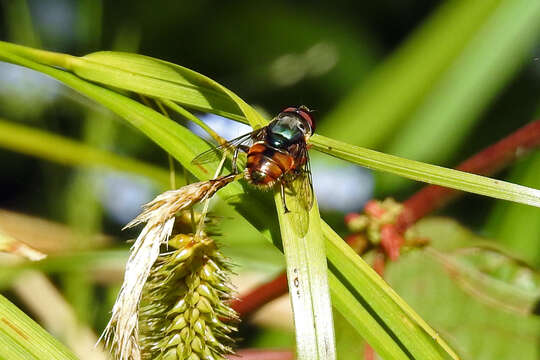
<point x="184" y="312"/>
<point x="166" y="205"/>
<point x="122" y="331"/>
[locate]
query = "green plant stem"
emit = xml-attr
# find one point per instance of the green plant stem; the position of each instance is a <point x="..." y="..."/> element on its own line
<point x="189" y="116"/>
<point x="41" y="56"/>
<point x="59" y="149"/>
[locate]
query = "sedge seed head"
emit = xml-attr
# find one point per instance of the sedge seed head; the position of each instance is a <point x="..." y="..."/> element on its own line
<point x="183" y="316"/>
<point x="159" y="216"/>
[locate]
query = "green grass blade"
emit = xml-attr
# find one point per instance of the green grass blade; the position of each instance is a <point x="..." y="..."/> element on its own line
<point x="449" y="111"/>
<point x="189" y="116"/>
<point x="517" y="226"/>
<point x="22" y="338"/>
<point x="146" y="76"/>
<point x="350" y="304"/>
<point x="156" y="70"/>
<point x="305" y="255"/>
<point x="59" y="149"/>
<point x="431" y="174"/>
<point x="371" y="113"/>
<point x="153" y="78"/>
<point x="94" y="262"/>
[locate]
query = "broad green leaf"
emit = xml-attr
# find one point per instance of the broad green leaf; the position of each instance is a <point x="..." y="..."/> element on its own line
<point x="413" y="332"/>
<point x="22" y="338"/>
<point x="477" y="330"/>
<point x="493" y="277"/>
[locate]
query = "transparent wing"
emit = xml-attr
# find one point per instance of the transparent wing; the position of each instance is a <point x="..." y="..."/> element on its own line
<point x="215" y="154"/>
<point x="302" y="184"/>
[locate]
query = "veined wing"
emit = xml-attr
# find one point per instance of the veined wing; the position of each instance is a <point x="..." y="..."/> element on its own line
<point x="301" y="185"/>
<point x="304" y="186"/>
<point x="216" y="153"/>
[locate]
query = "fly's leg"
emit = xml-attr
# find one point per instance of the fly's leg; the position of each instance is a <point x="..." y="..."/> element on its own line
<point x="235" y="157"/>
<point x="282" y="190"/>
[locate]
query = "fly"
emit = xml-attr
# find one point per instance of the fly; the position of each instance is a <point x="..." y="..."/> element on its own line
<point x="276" y="154"/>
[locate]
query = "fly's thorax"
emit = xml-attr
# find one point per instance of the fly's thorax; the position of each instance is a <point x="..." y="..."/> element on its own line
<point x="287" y="129"/>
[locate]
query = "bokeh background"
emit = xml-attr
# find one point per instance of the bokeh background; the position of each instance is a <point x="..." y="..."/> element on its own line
<point x="434" y="81"/>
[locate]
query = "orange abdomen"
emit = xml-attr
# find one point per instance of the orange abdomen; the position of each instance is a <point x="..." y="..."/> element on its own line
<point x="265" y="165"/>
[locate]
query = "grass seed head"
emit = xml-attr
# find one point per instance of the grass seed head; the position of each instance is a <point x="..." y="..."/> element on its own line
<point x="184" y="311"/>
<point x="159" y="216"/>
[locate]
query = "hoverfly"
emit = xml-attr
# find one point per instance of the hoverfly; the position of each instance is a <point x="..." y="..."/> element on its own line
<point x="276" y="154"/>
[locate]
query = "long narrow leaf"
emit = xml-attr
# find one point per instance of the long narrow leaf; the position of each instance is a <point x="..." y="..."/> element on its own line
<point x="501" y="47"/>
<point x="23" y="338"/>
<point x="428" y="173"/>
<point x="60" y="149"/>
<point x="156" y="71"/>
<point x="398" y="84"/>
<point x="305" y="255"/>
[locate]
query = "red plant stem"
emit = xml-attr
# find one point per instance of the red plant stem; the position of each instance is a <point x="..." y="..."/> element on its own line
<point x="261" y="295"/>
<point x="429" y="198"/>
<point x="369" y="353"/>
<point x="486" y="162"/>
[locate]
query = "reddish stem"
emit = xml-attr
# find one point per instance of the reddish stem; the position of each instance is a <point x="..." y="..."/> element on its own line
<point x="261" y="295"/>
<point x="486" y="162"/>
<point x="429" y="198"/>
<point x="379" y="264"/>
<point x="369" y="353"/>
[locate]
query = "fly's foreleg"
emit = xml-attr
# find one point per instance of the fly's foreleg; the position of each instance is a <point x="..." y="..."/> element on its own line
<point x="235" y="157"/>
<point x="282" y="190"/>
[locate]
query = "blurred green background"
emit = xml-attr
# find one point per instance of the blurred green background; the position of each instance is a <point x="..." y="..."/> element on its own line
<point x="434" y="81"/>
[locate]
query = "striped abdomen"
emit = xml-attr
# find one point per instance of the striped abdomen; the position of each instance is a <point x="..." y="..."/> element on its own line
<point x="265" y="165"/>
